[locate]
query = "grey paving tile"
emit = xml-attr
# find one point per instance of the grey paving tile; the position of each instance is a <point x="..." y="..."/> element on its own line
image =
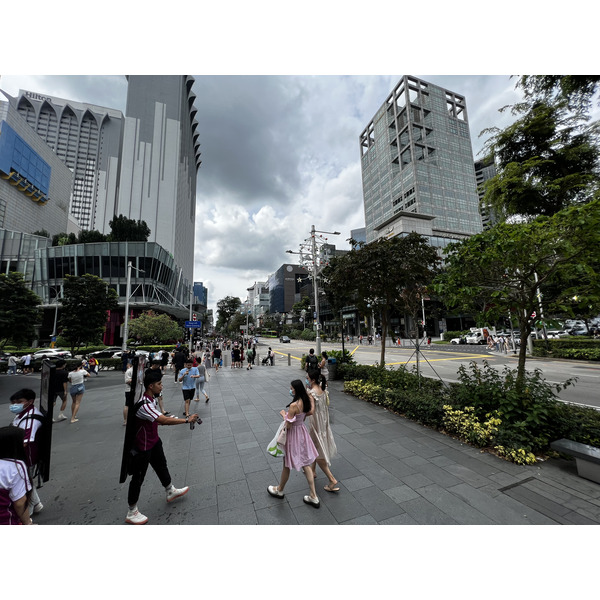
<point x="425" y="513"/>
<point x="456" y="508"/>
<point x="243" y="515"/>
<point x="402" y="493"/>
<point x="357" y="483"/>
<point x="364" y="520"/>
<point x="233" y="495"/>
<point x="403" y="519"/>
<point x="378" y="504"/>
<point x="416" y="481"/>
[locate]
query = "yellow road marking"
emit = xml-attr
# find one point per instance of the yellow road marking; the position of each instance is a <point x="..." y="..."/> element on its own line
<point x="353" y="351"/>
<point x="406" y="362"/>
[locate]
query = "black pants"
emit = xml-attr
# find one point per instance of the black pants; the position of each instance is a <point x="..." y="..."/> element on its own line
<point x="155" y="457"/>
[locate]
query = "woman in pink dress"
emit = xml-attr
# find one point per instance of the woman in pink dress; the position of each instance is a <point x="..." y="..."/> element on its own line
<point x="300" y="451"/>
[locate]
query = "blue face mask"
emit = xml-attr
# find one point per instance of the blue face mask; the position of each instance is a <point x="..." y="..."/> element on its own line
<point x="307" y="382"/>
<point x="16" y="408"/>
<point x="291" y="392"/>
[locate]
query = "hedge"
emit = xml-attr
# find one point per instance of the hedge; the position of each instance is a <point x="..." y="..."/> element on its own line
<point x="574" y="348"/>
<point x="516" y="428"/>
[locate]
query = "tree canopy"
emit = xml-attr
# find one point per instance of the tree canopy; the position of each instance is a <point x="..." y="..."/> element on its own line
<point x="86" y="300"/>
<point x="503" y="268"/>
<point x="20" y="312"/>
<point x="226" y="308"/>
<point x="154" y="328"/>
<point x="382" y="275"/>
<point x="123" y="229"/>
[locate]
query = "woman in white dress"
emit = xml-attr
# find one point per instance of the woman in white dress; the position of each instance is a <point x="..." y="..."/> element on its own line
<point x="319" y="429"/>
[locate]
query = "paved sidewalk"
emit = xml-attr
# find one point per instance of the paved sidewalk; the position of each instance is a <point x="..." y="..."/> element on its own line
<point x="391" y="470"/>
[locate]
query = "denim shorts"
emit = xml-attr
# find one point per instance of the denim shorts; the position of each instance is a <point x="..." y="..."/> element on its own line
<point x="77" y="389"/>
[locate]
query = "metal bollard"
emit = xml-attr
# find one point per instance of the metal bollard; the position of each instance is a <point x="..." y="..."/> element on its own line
<point x="289" y="359"/>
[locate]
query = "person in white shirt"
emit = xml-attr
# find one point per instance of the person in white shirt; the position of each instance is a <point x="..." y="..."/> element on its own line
<point x="15" y="485"/>
<point x="76" y="378"/>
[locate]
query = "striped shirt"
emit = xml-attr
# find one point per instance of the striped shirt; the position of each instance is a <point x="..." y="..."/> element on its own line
<point x="146" y="424"/>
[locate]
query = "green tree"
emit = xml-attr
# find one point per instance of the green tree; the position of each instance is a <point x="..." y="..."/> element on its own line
<point x="237" y="320"/>
<point x="546" y="160"/>
<point x="505" y="267"/>
<point x="154" y="328"/>
<point x="20" y="310"/>
<point x="226" y="308"/>
<point x="577" y="90"/>
<point x="41" y="233"/>
<point x="86" y="300"/>
<point x="384" y="275"/>
<point x="89" y="236"/>
<point x="123" y="229"/>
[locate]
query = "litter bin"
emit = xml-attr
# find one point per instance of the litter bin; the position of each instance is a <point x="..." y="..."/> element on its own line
<point x="332" y="368"/>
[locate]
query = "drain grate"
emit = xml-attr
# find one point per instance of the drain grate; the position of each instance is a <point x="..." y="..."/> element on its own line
<point x="513" y="485"/>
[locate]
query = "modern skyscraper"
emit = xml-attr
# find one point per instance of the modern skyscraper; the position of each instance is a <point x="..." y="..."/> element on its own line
<point x="417" y="166"/>
<point x="87" y="139"/>
<point x="159" y="162"/>
<point x="484" y="170"/>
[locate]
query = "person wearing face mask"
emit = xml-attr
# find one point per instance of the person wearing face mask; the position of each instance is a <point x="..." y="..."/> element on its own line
<point x="28" y="418"/>
<point x="15" y="484"/>
<point x="300" y="452"/>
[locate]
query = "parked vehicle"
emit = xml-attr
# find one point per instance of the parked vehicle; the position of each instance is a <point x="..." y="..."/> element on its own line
<point x="106" y="352"/>
<point x="137" y="352"/>
<point x="51" y="353"/>
<point x="555" y="334"/>
<point x="458" y="340"/>
<point x="479" y="335"/>
<point x="284" y="339"/>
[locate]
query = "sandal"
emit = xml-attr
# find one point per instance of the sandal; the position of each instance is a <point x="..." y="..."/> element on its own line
<point x="332" y="487"/>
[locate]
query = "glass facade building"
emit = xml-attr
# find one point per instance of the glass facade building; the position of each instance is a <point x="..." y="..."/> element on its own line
<point x="417" y="166"/>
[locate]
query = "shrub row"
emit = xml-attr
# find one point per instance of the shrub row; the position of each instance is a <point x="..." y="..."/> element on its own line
<point x="574" y="348"/>
<point x="483" y="409"/>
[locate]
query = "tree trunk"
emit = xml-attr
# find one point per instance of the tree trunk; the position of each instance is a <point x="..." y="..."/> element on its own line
<point x="384" y="327"/>
<point x="525" y="329"/>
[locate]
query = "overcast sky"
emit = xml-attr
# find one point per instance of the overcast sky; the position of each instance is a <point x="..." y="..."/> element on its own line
<point x="281" y="152"/>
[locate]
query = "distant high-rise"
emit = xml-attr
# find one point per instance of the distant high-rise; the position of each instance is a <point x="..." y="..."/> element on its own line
<point x="159" y="162"/>
<point x="417" y="166"/>
<point x="484" y="170"/>
<point x="87" y="139"/>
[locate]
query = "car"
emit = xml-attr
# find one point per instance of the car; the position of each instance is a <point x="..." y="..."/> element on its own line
<point x="577" y="330"/>
<point x="51" y="353"/>
<point x="555" y="334"/>
<point x="106" y="352"/>
<point x="284" y="339"/>
<point x="459" y="340"/>
<point x="137" y="352"/>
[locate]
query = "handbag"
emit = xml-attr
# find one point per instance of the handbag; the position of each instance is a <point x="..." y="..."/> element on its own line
<point x="273" y="448"/>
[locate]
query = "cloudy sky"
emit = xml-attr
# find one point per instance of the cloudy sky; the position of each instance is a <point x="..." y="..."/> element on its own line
<point x="280" y="153"/>
<point x="279" y="129"/>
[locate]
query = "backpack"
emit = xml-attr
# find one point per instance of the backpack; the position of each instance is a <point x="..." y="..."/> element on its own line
<point x="312" y="362"/>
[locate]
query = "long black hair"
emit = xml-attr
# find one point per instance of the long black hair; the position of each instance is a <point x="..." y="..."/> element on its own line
<point x="300" y="393"/>
<point x="318" y="377"/>
<point x="11" y="443"/>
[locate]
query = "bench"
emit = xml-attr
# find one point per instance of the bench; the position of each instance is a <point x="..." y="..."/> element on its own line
<point x="587" y="458"/>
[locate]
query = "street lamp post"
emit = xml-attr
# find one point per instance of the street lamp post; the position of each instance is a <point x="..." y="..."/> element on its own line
<point x="312" y="260"/>
<point x="128" y="293"/>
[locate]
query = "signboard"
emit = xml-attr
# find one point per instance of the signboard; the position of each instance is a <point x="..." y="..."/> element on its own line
<point x="192" y="324"/>
<point x="137" y="390"/>
<point x="47" y="389"/>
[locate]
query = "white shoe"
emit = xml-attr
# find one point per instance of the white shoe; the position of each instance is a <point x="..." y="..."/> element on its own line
<point x="175" y="493"/>
<point x="135" y="517"/>
<point x="62" y="417"/>
<point x="37" y="508"/>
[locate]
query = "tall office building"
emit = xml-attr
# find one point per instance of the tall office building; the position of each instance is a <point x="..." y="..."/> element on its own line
<point x="484" y="170"/>
<point x="87" y="139"/>
<point x="417" y="166"/>
<point x="159" y="162"/>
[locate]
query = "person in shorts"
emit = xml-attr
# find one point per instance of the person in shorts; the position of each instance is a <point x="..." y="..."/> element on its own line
<point x="188" y="376"/>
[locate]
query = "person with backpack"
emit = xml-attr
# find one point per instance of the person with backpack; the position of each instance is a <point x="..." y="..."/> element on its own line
<point x="312" y="362"/>
<point x="30" y="419"/>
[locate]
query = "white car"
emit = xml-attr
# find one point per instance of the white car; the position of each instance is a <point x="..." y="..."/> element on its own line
<point x="457" y="341"/>
<point x="137" y="352"/>
<point x="51" y="353"/>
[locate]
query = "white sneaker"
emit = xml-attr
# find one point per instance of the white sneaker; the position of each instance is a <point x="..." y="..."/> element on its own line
<point x="62" y="417"/>
<point x="175" y="493"/>
<point x="135" y="517"/>
<point x="37" y="508"/>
